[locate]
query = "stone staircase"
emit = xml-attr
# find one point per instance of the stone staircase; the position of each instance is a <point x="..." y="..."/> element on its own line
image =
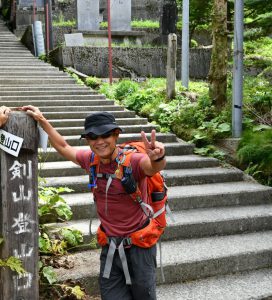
<point x="220" y="246"/>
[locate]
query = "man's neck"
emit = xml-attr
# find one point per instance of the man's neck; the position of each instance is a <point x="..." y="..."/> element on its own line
<point x="107" y="160"/>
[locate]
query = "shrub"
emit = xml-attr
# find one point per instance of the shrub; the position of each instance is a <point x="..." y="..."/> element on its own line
<point x="255" y="154"/>
<point x="125" y="88"/>
<point x="93" y="82"/>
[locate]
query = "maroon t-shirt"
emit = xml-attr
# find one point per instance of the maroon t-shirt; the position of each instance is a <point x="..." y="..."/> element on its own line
<point x="120" y="216"/>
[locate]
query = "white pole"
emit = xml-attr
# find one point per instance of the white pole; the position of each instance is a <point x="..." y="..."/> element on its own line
<point x="237" y="93"/>
<point x="185" y="44"/>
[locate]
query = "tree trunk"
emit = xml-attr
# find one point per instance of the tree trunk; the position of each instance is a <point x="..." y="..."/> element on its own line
<point x="219" y="61"/>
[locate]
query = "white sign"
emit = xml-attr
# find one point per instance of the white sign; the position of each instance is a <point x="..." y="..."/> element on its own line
<point x="10" y="143"/>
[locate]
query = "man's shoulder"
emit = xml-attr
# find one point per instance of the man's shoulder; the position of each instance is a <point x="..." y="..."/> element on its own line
<point x="83" y="157"/>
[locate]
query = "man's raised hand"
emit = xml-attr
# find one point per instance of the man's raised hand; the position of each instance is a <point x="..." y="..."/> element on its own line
<point x="154" y="149"/>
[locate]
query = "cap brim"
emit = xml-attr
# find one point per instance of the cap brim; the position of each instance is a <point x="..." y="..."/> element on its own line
<point x="99" y="130"/>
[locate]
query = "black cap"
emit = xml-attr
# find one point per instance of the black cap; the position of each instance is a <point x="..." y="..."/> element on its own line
<point x="99" y="123"/>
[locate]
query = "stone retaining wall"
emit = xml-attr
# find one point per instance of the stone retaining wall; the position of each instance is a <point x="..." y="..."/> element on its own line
<point x="129" y="62"/>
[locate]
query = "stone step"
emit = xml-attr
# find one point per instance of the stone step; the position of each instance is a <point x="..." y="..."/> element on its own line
<point x="63" y="88"/>
<point x="58" y="102"/>
<point x="232" y="194"/>
<point x="21" y="62"/>
<point x="31" y="93"/>
<point x="238" y="286"/>
<point x="219" y="194"/>
<point x="47" y="75"/>
<point x="39" y="73"/>
<point x="22" y="54"/>
<point x="40" y="67"/>
<point x="201" y="176"/>
<point x="74" y="140"/>
<point x="187" y="260"/>
<point x="76" y="115"/>
<point x="60" y="123"/>
<point x="11" y="46"/>
<point x="196" y="223"/>
<point x="90" y="107"/>
<point x="36" y="81"/>
<point x="126" y="129"/>
<point x="180" y="148"/>
<point x="67" y="168"/>
<point x="172" y="178"/>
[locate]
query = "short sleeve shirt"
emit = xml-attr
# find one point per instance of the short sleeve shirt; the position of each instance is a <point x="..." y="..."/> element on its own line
<point x="118" y="213"/>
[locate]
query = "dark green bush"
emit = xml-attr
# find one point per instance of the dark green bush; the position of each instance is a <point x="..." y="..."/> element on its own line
<point x="255" y="154"/>
<point x="125" y="88"/>
<point x="93" y="82"/>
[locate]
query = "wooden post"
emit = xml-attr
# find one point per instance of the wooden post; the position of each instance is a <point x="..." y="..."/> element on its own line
<point x="18" y="210"/>
<point x="171" y="66"/>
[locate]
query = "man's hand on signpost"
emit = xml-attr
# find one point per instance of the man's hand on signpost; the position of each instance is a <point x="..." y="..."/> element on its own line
<point x="4" y="114"/>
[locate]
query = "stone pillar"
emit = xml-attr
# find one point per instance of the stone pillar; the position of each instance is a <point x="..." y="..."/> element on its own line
<point x="18" y="208"/>
<point x="88" y="15"/>
<point x="168" y="18"/>
<point x="120" y="15"/>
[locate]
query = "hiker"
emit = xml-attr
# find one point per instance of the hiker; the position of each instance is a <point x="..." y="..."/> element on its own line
<point x="4" y="113"/>
<point x="129" y="272"/>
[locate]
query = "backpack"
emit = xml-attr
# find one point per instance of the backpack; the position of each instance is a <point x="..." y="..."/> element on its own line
<point x="157" y="194"/>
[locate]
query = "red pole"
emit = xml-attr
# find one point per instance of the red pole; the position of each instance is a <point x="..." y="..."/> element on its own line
<point x="34" y="11"/>
<point x="47" y="28"/>
<point x="109" y="42"/>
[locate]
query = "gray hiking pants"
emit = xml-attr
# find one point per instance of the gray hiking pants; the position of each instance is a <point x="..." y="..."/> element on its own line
<point x="142" y="269"/>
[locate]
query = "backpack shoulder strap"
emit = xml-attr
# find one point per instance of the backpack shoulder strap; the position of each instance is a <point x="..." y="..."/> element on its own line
<point x="94" y="165"/>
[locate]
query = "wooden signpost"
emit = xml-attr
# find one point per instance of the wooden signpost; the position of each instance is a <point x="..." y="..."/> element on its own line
<point x="18" y="209"/>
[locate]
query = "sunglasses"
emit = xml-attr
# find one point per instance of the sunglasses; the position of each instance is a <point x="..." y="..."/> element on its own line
<point x="93" y="137"/>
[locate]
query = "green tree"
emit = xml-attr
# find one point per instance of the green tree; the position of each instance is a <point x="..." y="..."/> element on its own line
<point x="219" y="60"/>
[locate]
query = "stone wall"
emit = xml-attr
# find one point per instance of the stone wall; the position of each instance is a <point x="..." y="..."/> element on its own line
<point x="129" y="62"/>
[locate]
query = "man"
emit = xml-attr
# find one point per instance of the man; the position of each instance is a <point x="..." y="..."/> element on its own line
<point x="4" y="113"/>
<point x="130" y="275"/>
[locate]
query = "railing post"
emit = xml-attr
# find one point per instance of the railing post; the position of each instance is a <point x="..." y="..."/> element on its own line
<point x="18" y="209"/>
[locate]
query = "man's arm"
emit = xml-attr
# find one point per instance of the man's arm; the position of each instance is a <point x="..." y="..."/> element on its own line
<point x="4" y="114"/>
<point x="56" y="140"/>
<point x="155" y="160"/>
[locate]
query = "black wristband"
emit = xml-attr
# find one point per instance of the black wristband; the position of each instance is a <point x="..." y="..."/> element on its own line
<point x="159" y="159"/>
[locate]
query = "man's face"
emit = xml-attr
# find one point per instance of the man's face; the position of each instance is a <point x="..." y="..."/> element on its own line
<point x="103" y="145"/>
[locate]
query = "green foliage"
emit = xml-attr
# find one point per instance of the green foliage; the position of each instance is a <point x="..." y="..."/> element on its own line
<point x="93" y="82"/>
<point x="61" y="22"/>
<point x="52" y="207"/>
<point x="255" y="154"/>
<point x="145" y="24"/>
<point x="125" y="88"/>
<point x="49" y="288"/>
<point x="58" y="242"/>
<point x="200" y="14"/>
<point x="211" y="151"/>
<point x="49" y="274"/>
<point x="75" y="76"/>
<point x="13" y="263"/>
<point x="258" y="100"/>
<point x="108" y="90"/>
<point x="258" y="52"/>
<point x="137" y="24"/>
<point x="5" y="12"/>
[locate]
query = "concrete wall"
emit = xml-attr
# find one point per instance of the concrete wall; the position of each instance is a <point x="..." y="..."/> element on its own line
<point x="129" y="62"/>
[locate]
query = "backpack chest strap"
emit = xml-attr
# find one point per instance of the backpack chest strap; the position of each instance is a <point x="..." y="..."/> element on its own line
<point x="106" y="175"/>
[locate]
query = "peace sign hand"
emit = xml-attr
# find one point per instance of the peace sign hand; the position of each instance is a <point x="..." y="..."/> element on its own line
<point x="154" y="149"/>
